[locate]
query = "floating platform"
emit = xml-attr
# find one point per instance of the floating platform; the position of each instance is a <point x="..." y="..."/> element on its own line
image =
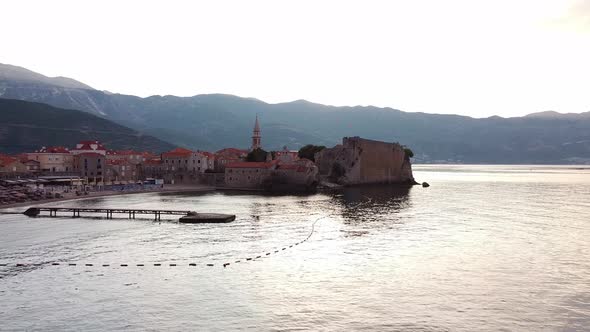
<point x="201" y="218"/>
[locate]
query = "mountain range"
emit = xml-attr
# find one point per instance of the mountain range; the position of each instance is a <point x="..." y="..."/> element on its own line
<point x="214" y="121"/>
<point x="28" y="126"/>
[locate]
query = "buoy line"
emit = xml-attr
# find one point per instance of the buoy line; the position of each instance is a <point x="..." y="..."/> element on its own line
<point x="248" y="259"/>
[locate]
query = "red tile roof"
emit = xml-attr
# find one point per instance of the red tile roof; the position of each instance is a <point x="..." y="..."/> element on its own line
<point x="86" y="145"/>
<point x="123" y="152"/>
<point x="23" y="157"/>
<point x="83" y="147"/>
<point x="208" y="154"/>
<point x="6" y="160"/>
<point x="178" y="152"/>
<point x="149" y="155"/>
<point x="53" y="149"/>
<point x="246" y="164"/>
<point x="152" y="162"/>
<point x="230" y="151"/>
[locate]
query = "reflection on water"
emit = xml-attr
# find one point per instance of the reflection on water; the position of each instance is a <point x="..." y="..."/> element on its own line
<point x="484" y="248"/>
<point x="372" y="207"/>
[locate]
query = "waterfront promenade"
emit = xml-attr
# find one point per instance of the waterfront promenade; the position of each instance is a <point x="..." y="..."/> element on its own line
<point x="71" y="196"/>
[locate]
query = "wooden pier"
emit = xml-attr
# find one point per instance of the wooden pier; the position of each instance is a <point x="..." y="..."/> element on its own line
<point x="35" y="211"/>
<point x="186" y="216"/>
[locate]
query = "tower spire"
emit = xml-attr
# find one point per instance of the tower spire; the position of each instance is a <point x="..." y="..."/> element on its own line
<point x="256" y="135"/>
<point x="257" y="125"/>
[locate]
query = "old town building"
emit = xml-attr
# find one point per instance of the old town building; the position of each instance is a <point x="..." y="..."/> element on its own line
<point x="152" y="168"/>
<point x="286" y="155"/>
<point x="250" y="175"/>
<point x="185" y="166"/>
<point x="131" y="156"/>
<point x="91" y="166"/>
<point x="9" y="164"/>
<point x="55" y="159"/>
<point x="121" y="170"/>
<point x="89" y="146"/>
<point x="227" y="156"/>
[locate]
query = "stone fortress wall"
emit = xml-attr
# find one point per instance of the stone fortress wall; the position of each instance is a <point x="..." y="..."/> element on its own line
<point x="362" y="161"/>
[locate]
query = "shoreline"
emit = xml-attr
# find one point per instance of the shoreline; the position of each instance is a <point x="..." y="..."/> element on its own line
<point x="166" y="189"/>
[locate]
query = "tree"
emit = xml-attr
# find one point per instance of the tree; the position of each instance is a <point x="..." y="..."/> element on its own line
<point x="408" y="153"/>
<point x="309" y="151"/>
<point x="257" y="155"/>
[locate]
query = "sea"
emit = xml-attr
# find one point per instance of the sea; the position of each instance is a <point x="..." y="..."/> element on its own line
<point x="484" y="248"/>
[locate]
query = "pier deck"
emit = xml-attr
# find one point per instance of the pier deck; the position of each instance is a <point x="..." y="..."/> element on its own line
<point x="35" y="211"/>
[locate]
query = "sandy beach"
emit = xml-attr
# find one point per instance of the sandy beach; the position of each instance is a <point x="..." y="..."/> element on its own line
<point x="165" y="189"/>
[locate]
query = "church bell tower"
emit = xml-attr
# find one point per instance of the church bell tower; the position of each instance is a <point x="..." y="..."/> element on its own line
<point x="256" y="135"/>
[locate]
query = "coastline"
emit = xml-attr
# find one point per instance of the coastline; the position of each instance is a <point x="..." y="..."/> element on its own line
<point x="167" y="189"/>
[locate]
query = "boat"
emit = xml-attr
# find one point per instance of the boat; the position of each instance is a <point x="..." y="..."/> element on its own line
<point x="200" y="218"/>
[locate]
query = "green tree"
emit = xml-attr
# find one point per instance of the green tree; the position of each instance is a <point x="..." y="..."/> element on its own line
<point x="309" y="151"/>
<point x="257" y="155"/>
<point x="408" y="153"/>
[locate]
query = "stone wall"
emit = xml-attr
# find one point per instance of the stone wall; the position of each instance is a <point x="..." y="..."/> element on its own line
<point x="363" y="161"/>
<point x="247" y="178"/>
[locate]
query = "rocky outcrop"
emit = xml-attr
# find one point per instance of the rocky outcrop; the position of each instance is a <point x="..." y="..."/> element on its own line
<point x="362" y="161"/>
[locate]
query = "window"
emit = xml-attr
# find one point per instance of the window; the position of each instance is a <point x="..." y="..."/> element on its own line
<point x="199" y="161"/>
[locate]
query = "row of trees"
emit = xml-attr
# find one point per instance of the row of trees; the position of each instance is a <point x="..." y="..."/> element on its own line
<point x="307" y="152"/>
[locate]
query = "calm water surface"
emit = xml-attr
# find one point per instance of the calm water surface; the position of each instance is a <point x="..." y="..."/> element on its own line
<point x="484" y="248"/>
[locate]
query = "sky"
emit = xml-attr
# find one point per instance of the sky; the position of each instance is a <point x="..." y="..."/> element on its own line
<point x="469" y="57"/>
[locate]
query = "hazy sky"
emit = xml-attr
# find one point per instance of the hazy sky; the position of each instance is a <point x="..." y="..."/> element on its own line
<point x="478" y="58"/>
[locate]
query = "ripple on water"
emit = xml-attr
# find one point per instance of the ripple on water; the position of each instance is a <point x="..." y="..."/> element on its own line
<point x="484" y="248"/>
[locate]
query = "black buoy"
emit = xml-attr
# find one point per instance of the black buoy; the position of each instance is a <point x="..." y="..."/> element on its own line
<point x="425" y="185"/>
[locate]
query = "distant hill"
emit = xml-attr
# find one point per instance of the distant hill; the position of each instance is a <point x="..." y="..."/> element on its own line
<point x="27" y="126"/>
<point x="215" y="121"/>
<point x="557" y="115"/>
<point x="20" y="74"/>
